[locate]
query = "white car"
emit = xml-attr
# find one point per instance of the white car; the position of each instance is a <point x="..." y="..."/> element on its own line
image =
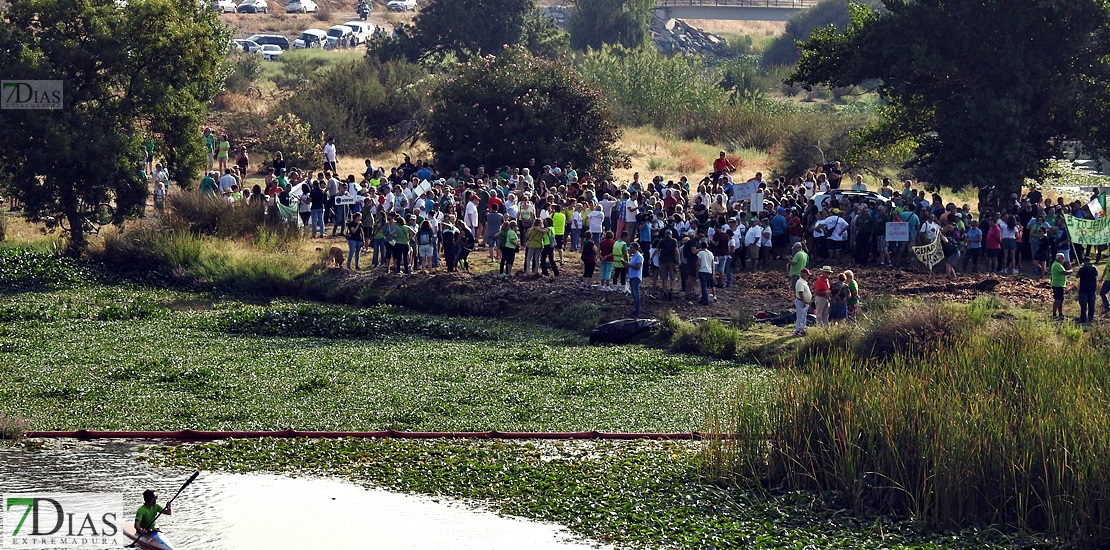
<point x="270" y="52"/>
<point x="337" y="33"/>
<point x="301" y="6"/>
<point x="248" y="46"/>
<point x="361" y="29"/>
<point x="311" y="38"/>
<point x="401" y="5"/>
<point x="223" y="6"/>
<point x="253" y="6"/>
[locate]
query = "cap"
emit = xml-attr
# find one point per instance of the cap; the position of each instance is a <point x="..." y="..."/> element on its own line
<point x="781" y="209"/>
<point x="806" y="271"/>
<point x="835" y="210"/>
<point x="797" y="245"/>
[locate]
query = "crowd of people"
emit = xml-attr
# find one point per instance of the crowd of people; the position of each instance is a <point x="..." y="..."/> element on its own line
<point x="685" y="236"/>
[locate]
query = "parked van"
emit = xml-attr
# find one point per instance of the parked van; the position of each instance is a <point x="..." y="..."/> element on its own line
<point x="337" y="33"/>
<point x="311" y="38"/>
<point x="362" y="30"/>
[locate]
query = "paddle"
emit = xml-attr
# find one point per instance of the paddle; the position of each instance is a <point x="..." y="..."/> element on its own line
<point x="159" y="514"/>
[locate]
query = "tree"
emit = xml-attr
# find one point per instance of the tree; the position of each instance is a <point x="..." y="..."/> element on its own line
<point x="594" y="23"/>
<point x="465" y="28"/>
<point x="504" y="109"/>
<point x="784" y="50"/>
<point x="148" y="68"/>
<point x="984" y="92"/>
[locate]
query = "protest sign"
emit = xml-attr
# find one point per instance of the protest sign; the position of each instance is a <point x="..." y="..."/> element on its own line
<point x="1085" y="232"/>
<point x="930" y="254"/>
<point x="897" y="232"/>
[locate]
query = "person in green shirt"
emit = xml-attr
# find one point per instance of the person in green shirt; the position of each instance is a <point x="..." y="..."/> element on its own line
<point x="549" y="244"/>
<point x="620" y="268"/>
<point x="1059" y="280"/>
<point x="798" y="262"/>
<point x="148" y="146"/>
<point x="210" y="145"/>
<point x="208" y="186"/>
<point x="559" y="221"/>
<point x="510" y="242"/>
<point x="223" y="149"/>
<point x="147" y="514"/>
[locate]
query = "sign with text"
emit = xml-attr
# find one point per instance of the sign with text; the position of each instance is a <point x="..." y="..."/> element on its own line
<point x="62" y="520"/>
<point x="744" y="191"/>
<point x="344" y="200"/>
<point x="930" y="254"/>
<point x="31" y="94"/>
<point x="1084" y="232"/>
<point x="897" y="232"/>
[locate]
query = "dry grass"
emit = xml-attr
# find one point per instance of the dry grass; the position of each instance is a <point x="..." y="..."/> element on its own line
<point x="655" y="153"/>
<point x="754" y="29"/>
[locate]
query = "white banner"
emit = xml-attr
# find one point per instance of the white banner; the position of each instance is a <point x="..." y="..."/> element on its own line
<point x="897" y="232"/>
<point x="344" y="200"/>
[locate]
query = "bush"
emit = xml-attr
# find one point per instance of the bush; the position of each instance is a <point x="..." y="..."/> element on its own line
<point x="708" y="337"/>
<point x="916" y="331"/>
<point x="642" y="86"/>
<point x="824" y="137"/>
<point x="501" y="110"/>
<point x="365" y="105"/>
<point x="12" y="428"/>
<point x="246" y="68"/>
<point x="579" y="317"/>
<point x="205" y="215"/>
<point x="296" y="141"/>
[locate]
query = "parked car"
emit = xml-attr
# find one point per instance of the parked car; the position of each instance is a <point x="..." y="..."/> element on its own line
<point x="870" y="197"/>
<point x="401" y="5"/>
<point x="301" y="6"/>
<point x="253" y="6"/>
<point x="311" y="38"/>
<point x="337" y="33"/>
<point x="270" y="52"/>
<point x="223" y="6"/>
<point x="275" y="39"/>
<point x="361" y="29"/>
<point x="248" y="46"/>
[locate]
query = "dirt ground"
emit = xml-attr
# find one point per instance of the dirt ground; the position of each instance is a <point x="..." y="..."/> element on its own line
<point x="750" y="292"/>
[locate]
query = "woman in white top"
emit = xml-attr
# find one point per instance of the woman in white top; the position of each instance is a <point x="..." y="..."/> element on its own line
<point x="822" y="183"/>
<point x="597" y="220"/>
<point x="576" y="224"/>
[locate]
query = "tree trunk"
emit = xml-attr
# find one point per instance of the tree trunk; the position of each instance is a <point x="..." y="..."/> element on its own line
<point x="77" y="243"/>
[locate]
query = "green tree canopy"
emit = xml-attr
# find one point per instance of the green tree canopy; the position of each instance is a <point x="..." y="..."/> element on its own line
<point x="148" y="68"/>
<point x="504" y="109"/>
<point x="594" y="23"/>
<point x="465" y="28"/>
<point x="983" y="91"/>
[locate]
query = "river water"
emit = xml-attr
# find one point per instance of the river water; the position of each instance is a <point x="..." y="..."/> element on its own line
<point x="261" y="511"/>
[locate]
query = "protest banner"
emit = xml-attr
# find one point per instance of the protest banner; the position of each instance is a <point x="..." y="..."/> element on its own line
<point x="1085" y="232"/>
<point x="897" y="232"/>
<point x="930" y="254"/>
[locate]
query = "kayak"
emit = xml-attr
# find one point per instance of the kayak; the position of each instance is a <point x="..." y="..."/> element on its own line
<point x="154" y="541"/>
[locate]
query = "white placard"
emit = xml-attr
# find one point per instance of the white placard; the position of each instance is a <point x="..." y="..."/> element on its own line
<point x="757" y="202"/>
<point x="744" y="191"/>
<point x="897" y="232"/>
<point x="344" y="200"/>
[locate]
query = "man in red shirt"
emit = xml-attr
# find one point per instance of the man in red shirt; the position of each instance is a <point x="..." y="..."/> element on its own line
<point x="721" y="166"/>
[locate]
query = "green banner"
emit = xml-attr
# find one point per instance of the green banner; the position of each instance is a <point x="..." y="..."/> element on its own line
<point x="1084" y="232"/>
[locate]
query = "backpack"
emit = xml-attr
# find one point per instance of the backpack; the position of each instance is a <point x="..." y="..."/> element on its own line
<point x="424" y="238"/>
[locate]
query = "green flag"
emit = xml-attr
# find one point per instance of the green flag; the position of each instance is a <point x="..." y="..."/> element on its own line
<point x="1084" y="232"/>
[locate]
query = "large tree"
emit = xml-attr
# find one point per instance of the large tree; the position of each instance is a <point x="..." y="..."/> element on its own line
<point x="984" y="91"/>
<point x="594" y="23"/>
<point x="146" y="68"/>
<point x="505" y="109"/>
<point x="465" y="28"/>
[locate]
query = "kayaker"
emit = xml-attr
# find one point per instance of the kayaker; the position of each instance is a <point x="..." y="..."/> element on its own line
<point x="146" y="515"/>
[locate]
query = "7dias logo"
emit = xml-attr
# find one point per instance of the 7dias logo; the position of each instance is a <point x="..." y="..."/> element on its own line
<point x="31" y="94"/>
<point x="62" y="520"/>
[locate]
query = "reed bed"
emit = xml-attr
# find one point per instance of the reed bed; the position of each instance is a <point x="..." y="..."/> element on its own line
<point x="1005" y="424"/>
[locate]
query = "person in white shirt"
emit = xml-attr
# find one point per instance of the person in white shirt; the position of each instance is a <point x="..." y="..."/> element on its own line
<point x="837" y="229"/>
<point x="705" y="271"/>
<point x="226" y="181"/>
<point x="802" y="297"/>
<point x="752" y="238"/>
<point x="577" y="223"/>
<point x="859" y="185"/>
<point x="596" y="219"/>
<point x="329" y="155"/>
<point x="607" y="204"/>
<point x="471" y="215"/>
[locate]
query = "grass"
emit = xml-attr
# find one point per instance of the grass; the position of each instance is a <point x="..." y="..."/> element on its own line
<point x="630" y="494"/>
<point x="654" y="152"/>
<point x="232" y="366"/>
<point x="956" y="415"/>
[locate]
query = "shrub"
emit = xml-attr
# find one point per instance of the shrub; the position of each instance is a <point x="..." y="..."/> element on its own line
<point x="246" y="68"/>
<point x="12" y="428"/>
<point x="324" y="13"/>
<point x="710" y="337"/>
<point x="642" y="86"/>
<point x="917" y="330"/>
<point x="365" y="105"/>
<point x="316" y="321"/>
<point x="205" y="215"/>
<point x="294" y="139"/>
<point x="579" y="317"/>
<point x="500" y="110"/>
<point x="821" y="138"/>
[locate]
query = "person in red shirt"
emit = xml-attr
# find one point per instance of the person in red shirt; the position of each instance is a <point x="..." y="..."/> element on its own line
<point x="721" y="166"/>
<point x="992" y="245"/>
<point x="822" y="290"/>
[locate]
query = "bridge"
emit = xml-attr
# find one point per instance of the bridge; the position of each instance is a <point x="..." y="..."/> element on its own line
<point x="736" y="10"/>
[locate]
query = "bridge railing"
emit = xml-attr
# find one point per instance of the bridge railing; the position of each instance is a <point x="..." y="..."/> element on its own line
<point x="793" y="4"/>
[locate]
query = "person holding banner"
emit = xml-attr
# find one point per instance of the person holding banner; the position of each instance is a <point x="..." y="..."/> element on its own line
<point x="1105" y="290"/>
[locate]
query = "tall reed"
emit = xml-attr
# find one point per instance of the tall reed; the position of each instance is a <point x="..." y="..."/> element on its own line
<point x="1003" y="425"/>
